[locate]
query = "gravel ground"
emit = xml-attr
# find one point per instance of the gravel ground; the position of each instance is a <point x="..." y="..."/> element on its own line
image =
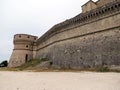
<point x="59" y="81"/>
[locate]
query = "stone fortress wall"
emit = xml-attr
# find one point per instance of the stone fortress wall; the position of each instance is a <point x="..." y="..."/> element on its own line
<point x="90" y="39"/>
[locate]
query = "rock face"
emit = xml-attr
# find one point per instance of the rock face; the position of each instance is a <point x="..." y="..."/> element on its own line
<point x="90" y="39"/>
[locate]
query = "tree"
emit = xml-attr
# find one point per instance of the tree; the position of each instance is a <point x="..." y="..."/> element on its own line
<point x="4" y="63"/>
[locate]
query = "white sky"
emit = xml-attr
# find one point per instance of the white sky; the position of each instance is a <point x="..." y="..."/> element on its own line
<point x="32" y="17"/>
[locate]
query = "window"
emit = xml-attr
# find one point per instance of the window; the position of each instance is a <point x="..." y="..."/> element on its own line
<point x="28" y="37"/>
<point x="26" y="46"/>
<point x="118" y="5"/>
<point x="112" y="7"/>
<point x="108" y="9"/>
<point x="19" y="36"/>
<point x="26" y="58"/>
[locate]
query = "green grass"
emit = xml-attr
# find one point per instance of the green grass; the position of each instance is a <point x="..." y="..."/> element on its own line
<point x="103" y="69"/>
<point x="29" y="65"/>
<point x="32" y="63"/>
<point x="9" y="69"/>
<point x="106" y="69"/>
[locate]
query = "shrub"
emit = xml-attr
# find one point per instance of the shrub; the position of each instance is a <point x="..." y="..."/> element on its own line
<point x="44" y="59"/>
<point x="32" y="63"/>
<point x="4" y="64"/>
<point x="103" y="69"/>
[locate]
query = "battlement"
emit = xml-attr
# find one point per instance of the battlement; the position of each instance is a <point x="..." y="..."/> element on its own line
<point x="24" y="38"/>
<point x="82" y="19"/>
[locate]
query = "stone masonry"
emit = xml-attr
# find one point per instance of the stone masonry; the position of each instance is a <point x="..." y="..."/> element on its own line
<point x="88" y="40"/>
<point x="24" y="49"/>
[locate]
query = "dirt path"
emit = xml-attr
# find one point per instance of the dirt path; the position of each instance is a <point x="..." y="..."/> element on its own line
<point x="59" y="81"/>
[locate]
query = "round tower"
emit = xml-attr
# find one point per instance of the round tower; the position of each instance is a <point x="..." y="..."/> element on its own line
<point x="24" y="49"/>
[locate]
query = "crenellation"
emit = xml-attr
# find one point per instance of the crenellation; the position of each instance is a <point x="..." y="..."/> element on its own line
<point x="31" y="38"/>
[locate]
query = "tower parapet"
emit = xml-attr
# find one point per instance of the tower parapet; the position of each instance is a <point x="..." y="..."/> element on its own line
<point x="24" y="49"/>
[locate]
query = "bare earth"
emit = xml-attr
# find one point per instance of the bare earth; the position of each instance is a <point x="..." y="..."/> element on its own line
<point x="59" y="81"/>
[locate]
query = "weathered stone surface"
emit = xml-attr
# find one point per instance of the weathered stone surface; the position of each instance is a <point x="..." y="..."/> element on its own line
<point x="24" y="49"/>
<point x="45" y="64"/>
<point x="94" y="50"/>
<point x="88" y="40"/>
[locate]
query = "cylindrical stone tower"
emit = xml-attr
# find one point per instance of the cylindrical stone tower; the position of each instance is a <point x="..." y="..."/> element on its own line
<point x="24" y="49"/>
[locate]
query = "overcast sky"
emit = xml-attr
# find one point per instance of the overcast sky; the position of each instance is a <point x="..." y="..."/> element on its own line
<point x="32" y="17"/>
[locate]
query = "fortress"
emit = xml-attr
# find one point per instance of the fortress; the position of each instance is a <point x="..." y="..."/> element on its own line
<point x="88" y="40"/>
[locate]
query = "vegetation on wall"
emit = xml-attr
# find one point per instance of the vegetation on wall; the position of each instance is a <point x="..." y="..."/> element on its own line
<point x="33" y="63"/>
<point x="103" y="69"/>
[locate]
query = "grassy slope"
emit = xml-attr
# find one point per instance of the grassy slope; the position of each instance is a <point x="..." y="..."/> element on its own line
<point x="30" y="65"/>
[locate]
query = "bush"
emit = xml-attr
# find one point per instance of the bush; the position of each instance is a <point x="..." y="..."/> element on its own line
<point x="32" y="63"/>
<point x="44" y="59"/>
<point x="4" y="63"/>
<point x="103" y="69"/>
